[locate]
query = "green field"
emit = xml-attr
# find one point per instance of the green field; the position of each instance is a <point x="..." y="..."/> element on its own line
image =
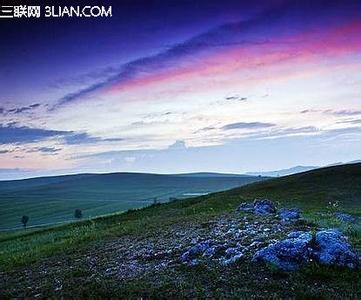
<point x="51" y="200"/>
<point x="42" y="249"/>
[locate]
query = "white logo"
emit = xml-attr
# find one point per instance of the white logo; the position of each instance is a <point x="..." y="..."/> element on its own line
<point x="26" y="11"/>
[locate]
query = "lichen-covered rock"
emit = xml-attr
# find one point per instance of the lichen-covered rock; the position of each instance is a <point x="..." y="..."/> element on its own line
<point x="247" y="207"/>
<point x="289" y="214"/>
<point x="332" y="248"/>
<point x="344" y="217"/>
<point x="264" y="207"/>
<point x="288" y="254"/>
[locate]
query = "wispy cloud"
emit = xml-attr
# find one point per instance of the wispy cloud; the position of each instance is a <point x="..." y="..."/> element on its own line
<point x="46" y="150"/>
<point x="257" y="31"/>
<point x="19" y="110"/>
<point x="340" y="113"/>
<point x="344" y="113"/>
<point x="307" y="111"/>
<point x="357" y="121"/>
<point x="86" y="78"/>
<point x="247" y="125"/>
<point x="235" y="98"/>
<point x="205" y="129"/>
<point x="85" y="138"/>
<point x="223" y="36"/>
<point x="286" y="132"/>
<point x="12" y="134"/>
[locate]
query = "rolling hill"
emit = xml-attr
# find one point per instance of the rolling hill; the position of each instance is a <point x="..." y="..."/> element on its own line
<point x="315" y="188"/>
<point x="283" y="172"/>
<point x="79" y="252"/>
<point x="50" y="200"/>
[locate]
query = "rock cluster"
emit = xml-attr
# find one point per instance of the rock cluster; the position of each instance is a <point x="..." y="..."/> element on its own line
<point x="263" y="207"/>
<point x="230" y="239"/>
<point x="225" y="252"/>
<point x="267" y="207"/>
<point x="230" y="242"/>
<point x="327" y="247"/>
<point x="332" y="248"/>
<point x="225" y="240"/>
<point x="259" y="207"/>
<point x="288" y="254"/>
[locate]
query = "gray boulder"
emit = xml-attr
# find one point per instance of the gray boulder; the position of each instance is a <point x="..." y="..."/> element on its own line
<point x="289" y="214"/>
<point x="332" y="248"/>
<point x="289" y="254"/>
<point x="263" y="207"/>
<point x="329" y="247"/>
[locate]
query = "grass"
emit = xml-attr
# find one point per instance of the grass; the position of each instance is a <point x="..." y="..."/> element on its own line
<point x="313" y="189"/>
<point x="240" y="281"/>
<point x="53" y="200"/>
<point x="21" y="247"/>
<point x="310" y="191"/>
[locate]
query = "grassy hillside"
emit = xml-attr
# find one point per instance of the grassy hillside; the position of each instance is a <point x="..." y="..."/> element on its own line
<point x="50" y="200"/>
<point x="70" y="243"/>
<point x="313" y="188"/>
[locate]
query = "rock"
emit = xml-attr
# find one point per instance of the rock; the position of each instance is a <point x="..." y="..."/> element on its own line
<point x="230" y="252"/>
<point x="196" y="250"/>
<point x="329" y="247"/>
<point x="255" y="244"/>
<point x="344" y="217"/>
<point x="332" y="248"/>
<point x="288" y="254"/>
<point x="210" y="252"/>
<point x="287" y="214"/>
<point x="263" y="207"/>
<point x="194" y="241"/>
<point x="194" y="262"/>
<point x="247" y="207"/>
<point x="259" y="206"/>
<point x="298" y="234"/>
<point x="232" y="260"/>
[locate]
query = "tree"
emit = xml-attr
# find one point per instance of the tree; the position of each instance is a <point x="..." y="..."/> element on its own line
<point x="78" y="213"/>
<point x="24" y="220"/>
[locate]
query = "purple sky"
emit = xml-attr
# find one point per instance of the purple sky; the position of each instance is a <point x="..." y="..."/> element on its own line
<point x="182" y="86"/>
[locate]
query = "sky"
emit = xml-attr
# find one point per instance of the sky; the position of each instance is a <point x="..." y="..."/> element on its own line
<point x="181" y="86"/>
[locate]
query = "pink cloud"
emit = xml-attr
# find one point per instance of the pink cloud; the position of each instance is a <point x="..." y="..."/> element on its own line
<point x="294" y="52"/>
